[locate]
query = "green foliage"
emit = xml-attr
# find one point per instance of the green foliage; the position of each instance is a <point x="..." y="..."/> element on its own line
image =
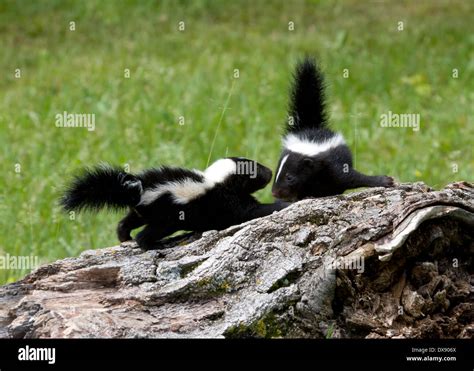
<point x="190" y="73"/>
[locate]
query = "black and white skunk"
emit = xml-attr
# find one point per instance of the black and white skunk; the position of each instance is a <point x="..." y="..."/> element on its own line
<point x="315" y="161"/>
<point x="170" y="199"/>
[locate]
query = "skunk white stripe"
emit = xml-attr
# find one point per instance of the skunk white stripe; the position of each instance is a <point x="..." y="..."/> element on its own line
<point x="220" y="170"/>
<point x="149" y="196"/>
<point x="281" y="166"/>
<point x="188" y="189"/>
<point x="308" y="147"/>
<point x="181" y="191"/>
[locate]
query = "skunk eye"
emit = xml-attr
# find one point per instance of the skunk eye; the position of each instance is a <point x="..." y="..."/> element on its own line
<point x="289" y="177"/>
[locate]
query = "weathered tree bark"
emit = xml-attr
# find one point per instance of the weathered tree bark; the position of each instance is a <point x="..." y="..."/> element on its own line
<point x="285" y="275"/>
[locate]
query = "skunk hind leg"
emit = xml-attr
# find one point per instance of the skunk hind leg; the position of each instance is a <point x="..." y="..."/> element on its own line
<point x="148" y="238"/>
<point x="127" y="224"/>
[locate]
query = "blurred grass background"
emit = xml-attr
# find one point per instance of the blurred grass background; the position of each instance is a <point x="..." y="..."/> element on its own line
<point x="190" y="73"/>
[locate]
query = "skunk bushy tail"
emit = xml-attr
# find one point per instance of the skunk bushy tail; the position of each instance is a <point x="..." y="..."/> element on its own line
<point x="307" y="106"/>
<point x="102" y="186"/>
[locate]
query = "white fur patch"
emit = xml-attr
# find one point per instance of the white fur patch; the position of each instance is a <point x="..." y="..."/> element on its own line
<point x="181" y="191"/>
<point x="220" y="170"/>
<point x="311" y="148"/>
<point x="188" y="189"/>
<point x="281" y="166"/>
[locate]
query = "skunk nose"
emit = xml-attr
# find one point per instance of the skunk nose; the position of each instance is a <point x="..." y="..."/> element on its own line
<point x="275" y="194"/>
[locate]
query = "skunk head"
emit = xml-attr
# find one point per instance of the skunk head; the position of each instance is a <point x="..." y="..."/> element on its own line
<point x="295" y="172"/>
<point x="307" y="166"/>
<point x="245" y="175"/>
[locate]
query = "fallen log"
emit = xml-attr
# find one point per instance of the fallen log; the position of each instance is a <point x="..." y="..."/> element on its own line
<point x="379" y="263"/>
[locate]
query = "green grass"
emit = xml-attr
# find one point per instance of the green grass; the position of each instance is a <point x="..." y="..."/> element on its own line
<point x="190" y="74"/>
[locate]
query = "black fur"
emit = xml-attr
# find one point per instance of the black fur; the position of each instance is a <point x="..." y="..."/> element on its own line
<point x="102" y="186"/>
<point x="307" y="103"/>
<point x="327" y="173"/>
<point x="227" y="203"/>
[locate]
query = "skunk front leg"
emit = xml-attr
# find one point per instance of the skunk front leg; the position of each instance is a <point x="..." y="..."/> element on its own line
<point x="357" y="180"/>
<point x="127" y="224"/>
<point x="266" y="209"/>
<point x="147" y="239"/>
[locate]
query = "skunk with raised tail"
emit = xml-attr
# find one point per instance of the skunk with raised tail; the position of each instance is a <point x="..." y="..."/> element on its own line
<point x="315" y="161"/>
<point x="170" y="199"/>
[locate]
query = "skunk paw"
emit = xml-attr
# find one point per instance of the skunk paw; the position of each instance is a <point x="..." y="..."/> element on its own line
<point x="387" y="181"/>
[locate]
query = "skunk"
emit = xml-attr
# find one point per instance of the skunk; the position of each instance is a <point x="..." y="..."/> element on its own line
<point x="315" y="161"/>
<point x="170" y="199"/>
